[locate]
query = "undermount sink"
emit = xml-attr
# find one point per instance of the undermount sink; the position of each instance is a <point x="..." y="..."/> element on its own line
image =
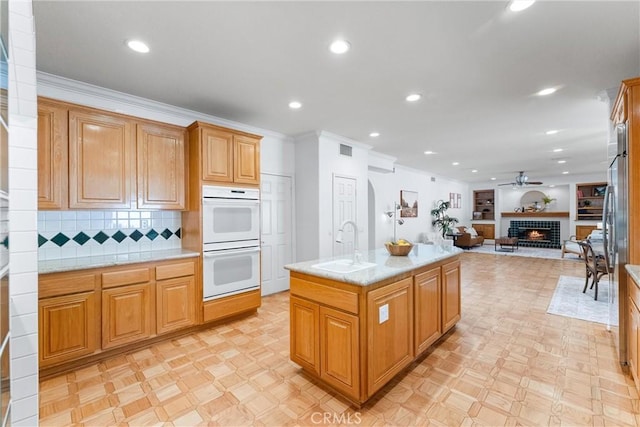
<point x="343" y="266"/>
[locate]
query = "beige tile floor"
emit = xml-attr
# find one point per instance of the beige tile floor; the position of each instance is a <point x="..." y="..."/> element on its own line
<point x="507" y="362"/>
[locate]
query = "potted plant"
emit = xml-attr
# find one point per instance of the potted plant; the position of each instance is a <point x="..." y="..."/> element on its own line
<point x="441" y="220"/>
<point x="547" y="199"/>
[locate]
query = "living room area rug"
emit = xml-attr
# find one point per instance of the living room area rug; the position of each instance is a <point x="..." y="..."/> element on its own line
<point x="569" y="301"/>
<point x="489" y="248"/>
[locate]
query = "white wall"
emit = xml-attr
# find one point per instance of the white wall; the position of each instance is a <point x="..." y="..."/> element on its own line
<point x="307" y="199"/>
<point x="387" y="187"/>
<point x="23" y="178"/>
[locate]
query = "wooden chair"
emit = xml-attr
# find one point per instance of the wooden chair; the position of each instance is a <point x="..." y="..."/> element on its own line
<point x="595" y="267"/>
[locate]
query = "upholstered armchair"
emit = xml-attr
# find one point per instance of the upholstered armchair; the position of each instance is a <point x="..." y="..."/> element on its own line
<point x="468" y="237"/>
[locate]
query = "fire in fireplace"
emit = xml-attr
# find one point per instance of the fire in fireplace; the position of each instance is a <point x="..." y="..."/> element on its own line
<point x="537" y="234"/>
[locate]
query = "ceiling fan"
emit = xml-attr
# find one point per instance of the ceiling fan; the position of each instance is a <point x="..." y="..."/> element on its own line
<point x="522" y="180"/>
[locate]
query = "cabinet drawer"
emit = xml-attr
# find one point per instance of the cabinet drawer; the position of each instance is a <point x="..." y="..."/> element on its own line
<point x="65" y="284"/>
<point x="175" y="270"/>
<point x="125" y="277"/>
<point x="332" y="297"/>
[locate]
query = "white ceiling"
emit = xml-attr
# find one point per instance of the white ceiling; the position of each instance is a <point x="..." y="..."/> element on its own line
<point x="476" y="64"/>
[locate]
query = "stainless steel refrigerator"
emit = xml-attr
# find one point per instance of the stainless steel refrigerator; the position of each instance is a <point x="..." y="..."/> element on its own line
<point x="616" y="237"/>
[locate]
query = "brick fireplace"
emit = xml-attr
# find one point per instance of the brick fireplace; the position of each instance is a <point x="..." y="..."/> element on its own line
<point x="536" y="234"/>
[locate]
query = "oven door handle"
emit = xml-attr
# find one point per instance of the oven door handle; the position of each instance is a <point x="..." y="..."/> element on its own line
<point x="237" y="202"/>
<point x="221" y="252"/>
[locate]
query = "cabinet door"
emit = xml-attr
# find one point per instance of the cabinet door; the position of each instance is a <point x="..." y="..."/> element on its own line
<point x="632" y="340"/>
<point x="68" y="327"/>
<point x="53" y="169"/>
<point x="339" y="354"/>
<point x="217" y="155"/>
<point x="175" y="304"/>
<point x="450" y="295"/>
<point x="305" y="334"/>
<point x="100" y="161"/>
<point x="161" y="174"/>
<point x="247" y="160"/>
<point x="427" y="323"/>
<point x="390" y="334"/>
<point x="126" y="315"/>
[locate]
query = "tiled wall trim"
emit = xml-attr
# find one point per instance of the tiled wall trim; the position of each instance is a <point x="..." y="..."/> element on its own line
<point x="70" y="234"/>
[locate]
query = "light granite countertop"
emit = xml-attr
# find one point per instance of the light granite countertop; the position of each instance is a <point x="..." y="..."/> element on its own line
<point x="81" y="263"/>
<point x="634" y="271"/>
<point x="386" y="265"/>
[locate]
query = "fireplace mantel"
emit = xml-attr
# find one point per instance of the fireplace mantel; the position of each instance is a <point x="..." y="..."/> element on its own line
<point x="536" y="214"/>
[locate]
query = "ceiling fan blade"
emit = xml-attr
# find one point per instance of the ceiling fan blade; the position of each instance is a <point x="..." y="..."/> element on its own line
<point x="508" y="183"/>
<point x="534" y="183"/>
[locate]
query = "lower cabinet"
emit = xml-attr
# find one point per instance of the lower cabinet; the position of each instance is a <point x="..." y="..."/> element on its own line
<point x="632" y="343"/>
<point x="84" y="312"/>
<point x="488" y="231"/>
<point x="450" y="294"/>
<point x="427" y="312"/>
<point x="126" y="315"/>
<point x="339" y="355"/>
<point x="390" y="333"/>
<point x="355" y="339"/>
<point x="67" y="327"/>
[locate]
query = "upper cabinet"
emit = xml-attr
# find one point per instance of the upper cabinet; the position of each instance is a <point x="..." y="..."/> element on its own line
<point x="101" y="151"/>
<point x="227" y="156"/>
<point x="93" y="159"/>
<point x="160" y="166"/>
<point x="590" y="200"/>
<point x="53" y="169"/>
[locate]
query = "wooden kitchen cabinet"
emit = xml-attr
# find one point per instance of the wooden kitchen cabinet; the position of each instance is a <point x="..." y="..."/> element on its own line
<point x="160" y="166"/>
<point x="488" y="231"/>
<point x="632" y="339"/>
<point x="126" y="315"/>
<point x="305" y="336"/>
<point x="101" y="154"/>
<point x="450" y="294"/>
<point x="175" y="296"/>
<point x="53" y="168"/>
<point x="390" y="334"/>
<point x="339" y="354"/>
<point x="67" y="327"/>
<point x="227" y="156"/>
<point x="427" y="312"/>
<point x="583" y="231"/>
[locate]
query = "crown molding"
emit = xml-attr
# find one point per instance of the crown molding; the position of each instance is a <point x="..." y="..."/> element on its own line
<point x="74" y="91"/>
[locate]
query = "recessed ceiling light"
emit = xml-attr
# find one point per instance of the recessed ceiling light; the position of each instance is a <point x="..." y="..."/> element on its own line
<point x="138" y="46"/>
<point x="546" y="91"/>
<point x="294" y="105"/>
<point x="339" y="47"/>
<point x="413" y="97"/>
<point x="552" y="185"/>
<point x="557" y="150"/>
<point x="520" y="5"/>
<point x="455" y="163"/>
<point x="474" y="170"/>
<point x="565" y="173"/>
<point x="374" y="134"/>
<point x="562" y="161"/>
<point x="552" y="132"/>
<point x="429" y="152"/>
<point x="493" y="178"/>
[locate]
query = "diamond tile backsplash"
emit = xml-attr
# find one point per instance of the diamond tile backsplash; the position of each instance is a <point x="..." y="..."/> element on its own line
<point x="70" y="234"/>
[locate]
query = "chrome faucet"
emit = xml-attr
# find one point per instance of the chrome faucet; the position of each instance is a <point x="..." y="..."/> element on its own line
<point x="357" y="256"/>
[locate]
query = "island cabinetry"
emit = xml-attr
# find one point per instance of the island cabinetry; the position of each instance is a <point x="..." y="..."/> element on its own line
<point x="450" y="294"/>
<point x="227" y="156"/>
<point x="355" y="337"/>
<point x="126" y="307"/>
<point x="390" y="334"/>
<point x="427" y="312"/>
<point x="68" y="317"/>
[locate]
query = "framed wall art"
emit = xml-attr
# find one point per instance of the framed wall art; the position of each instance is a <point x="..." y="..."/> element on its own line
<point x="408" y="204"/>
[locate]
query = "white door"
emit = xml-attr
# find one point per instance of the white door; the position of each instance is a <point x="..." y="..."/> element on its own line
<point x="276" y="233"/>
<point x="344" y="207"/>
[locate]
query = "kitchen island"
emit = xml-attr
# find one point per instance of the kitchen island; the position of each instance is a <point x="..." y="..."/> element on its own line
<point x="356" y="330"/>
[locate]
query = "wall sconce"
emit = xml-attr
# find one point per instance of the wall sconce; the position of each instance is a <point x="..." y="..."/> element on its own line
<point x="393" y="214"/>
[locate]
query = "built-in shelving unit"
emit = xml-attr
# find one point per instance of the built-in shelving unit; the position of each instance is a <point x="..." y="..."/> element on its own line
<point x="483" y="204"/>
<point x="590" y="200"/>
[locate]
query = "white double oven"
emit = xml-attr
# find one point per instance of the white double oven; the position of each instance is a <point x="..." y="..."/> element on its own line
<point x="231" y="240"/>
